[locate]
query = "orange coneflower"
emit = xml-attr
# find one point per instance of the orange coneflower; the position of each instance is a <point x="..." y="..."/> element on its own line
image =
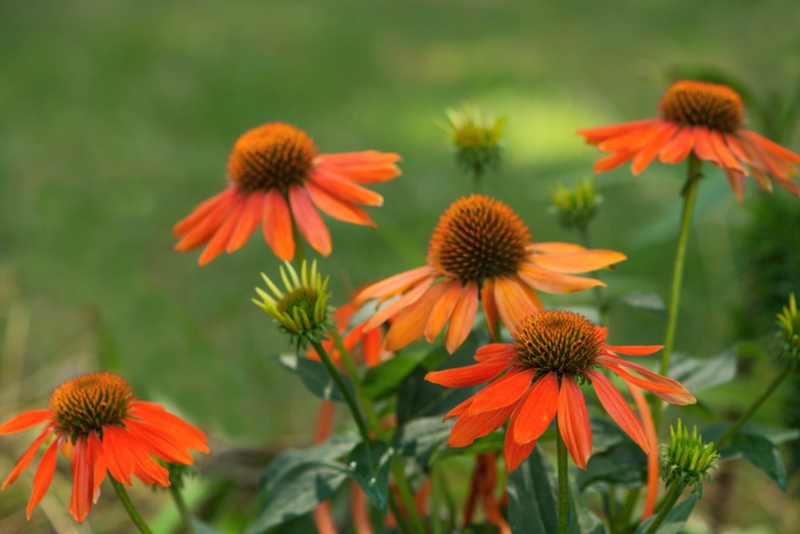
<point x="100" y="425"/>
<point x="551" y="351"/>
<point x="276" y="178"/>
<point x="706" y="118"/>
<point x="480" y="250"/>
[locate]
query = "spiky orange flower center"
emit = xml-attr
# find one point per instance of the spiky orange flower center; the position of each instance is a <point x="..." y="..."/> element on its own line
<point x="90" y="402"/>
<point x="692" y="103"/>
<point x="271" y="156"/>
<point x="555" y="340"/>
<point x="478" y="238"/>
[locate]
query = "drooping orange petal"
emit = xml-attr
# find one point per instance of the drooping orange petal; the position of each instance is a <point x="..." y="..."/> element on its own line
<point x="157" y="442"/>
<point x="202" y="211"/>
<point x="371" y="347"/>
<point x="468" y="428"/>
<point x="323" y="518"/>
<point x="24" y="421"/>
<point x="573" y="421"/>
<point x="82" y="480"/>
<point x="458" y="410"/>
<point x="191" y="436"/>
<point x="463" y="316"/>
<point x="205" y="227"/>
<point x="43" y="477"/>
<point x="653" y="455"/>
<point x="554" y="247"/>
<point x="119" y="460"/>
<point x="630" y="142"/>
<point x="515" y="453"/>
<point x="649" y="152"/>
<point x="146" y="469"/>
<point x="361" y="167"/>
<point x="249" y="220"/>
<point x="702" y="145"/>
<point x="736" y="148"/>
<point x="612" y="162"/>
<point x="219" y="241"/>
<point x="617" y="407"/>
<point x="494" y="350"/>
<point x="515" y="301"/>
<point x="772" y="146"/>
<point x="736" y="181"/>
<point x="393" y="285"/>
<point x="678" y="147"/>
<point x="582" y="261"/>
<point x="336" y="207"/>
<point x="490" y="307"/>
<point x="365" y="157"/>
<point x="553" y="282"/>
<point x="537" y="410"/>
<point x="667" y="389"/>
<point x="344" y="189"/>
<point x="442" y="309"/>
<point x="308" y="220"/>
<point x="410" y="323"/>
<point x="395" y="306"/>
<point x="277" y="225"/>
<point x="506" y="390"/>
<point x="26" y="459"/>
<point x="95" y="450"/>
<point x="631" y="350"/>
<point x="469" y="375"/>
<point x="601" y="133"/>
<point x="723" y="153"/>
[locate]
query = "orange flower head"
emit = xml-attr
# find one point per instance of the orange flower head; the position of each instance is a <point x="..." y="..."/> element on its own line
<point x="478" y="238"/>
<point x="278" y="180"/>
<point x="536" y="378"/>
<point x="704" y="119"/>
<point x="101" y="427"/>
<point x="480" y="253"/>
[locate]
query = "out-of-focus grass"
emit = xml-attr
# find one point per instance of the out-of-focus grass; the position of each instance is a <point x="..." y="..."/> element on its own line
<point x="117" y="119"/>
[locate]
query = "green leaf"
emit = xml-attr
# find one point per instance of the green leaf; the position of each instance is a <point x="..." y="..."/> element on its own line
<point x="675" y="519"/>
<point x="315" y="377"/>
<point x="532" y="502"/>
<point x="370" y="463"/>
<point x="383" y="379"/>
<point x="697" y="374"/>
<point x="624" y="464"/>
<point x="604" y="433"/>
<point x="492" y="443"/>
<point x="418" y="438"/>
<point x="201" y="527"/>
<point x="581" y="519"/>
<point x="645" y="300"/>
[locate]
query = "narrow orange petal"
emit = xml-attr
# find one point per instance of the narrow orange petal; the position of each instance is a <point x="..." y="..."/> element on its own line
<point x="366" y="157"/>
<point x="119" y="459"/>
<point x="736" y="181"/>
<point x="43" y="477"/>
<point x="723" y="153"/>
<point x="442" y="309"/>
<point x="458" y="410"/>
<point x="219" y="242"/>
<point x="309" y="221"/>
<point x="82" y="481"/>
<point x="337" y="185"/>
<point x="323" y="518"/>
<point x="397" y="305"/>
<point x="336" y="207"/>
<point x="146" y="469"/>
<point x="463" y="316"/>
<point x="702" y="145"/>
<point x="204" y="229"/>
<point x="736" y="148"/>
<point x="277" y="225"/>
<point x="362" y="167"/>
<point x="202" y="211"/>
<point x="249" y="220"/>
<point x="322" y="429"/>
<point x="26" y="459"/>
<point x="410" y="323"/>
<point x="537" y="410"/>
<point x="772" y="146"/>
<point x="555" y="247"/>
<point x="515" y="301"/>
<point x="553" y="282"/>
<point x="371" y="347"/>
<point x="191" y="436"/>
<point x="158" y="443"/>
<point x="612" y="162"/>
<point x="573" y="422"/>
<point x="494" y="350"/>
<point x="653" y="147"/>
<point x="469" y="428"/>
<point x="631" y="350"/>
<point x="393" y="285"/>
<point x="515" y="453"/>
<point x="577" y="262"/>
<point x="24" y="421"/>
<point x="617" y="407"/>
<point x="490" y="307"/>
<point x="630" y="142"/>
<point x="506" y="390"/>
<point x="359" y="510"/>
<point x="470" y="375"/>
<point x="601" y="133"/>
<point x="95" y="450"/>
<point x="678" y="147"/>
<point x="653" y="455"/>
<point x="667" y="389"/>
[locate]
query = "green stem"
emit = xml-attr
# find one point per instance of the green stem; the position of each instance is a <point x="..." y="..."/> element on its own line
<point x="612" y="503"/>
<point x="126" y="502"/>
<point x="299" y="251"/>
<point x="624" y="516"/>
<point x="352" y="372"/>
<point x="690" y="196"/>
<point x="563" y="484"/>
<point x="583" y="235"/>
<point x="186" y="515"/>
<point x="406" y="496"/>
<point x="669" y="502"/>
<point x="754" y="407"/>
<point x="477" y="180"/>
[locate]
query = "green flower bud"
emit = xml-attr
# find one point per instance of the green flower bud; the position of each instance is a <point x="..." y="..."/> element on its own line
<point x="687" y="459"/>
<point x="789" y="330"/>
<point x="301" y="311"/>
<point x="476" y="143"/>
<point x="575" y="207"/>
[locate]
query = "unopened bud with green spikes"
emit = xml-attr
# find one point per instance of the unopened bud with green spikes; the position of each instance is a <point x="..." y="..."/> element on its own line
<point x="789" y="330"/>
<point x="687" y="459"/>
<point x="301" y="310"/>
<point x="576" y="207"/>
<point x="476" y="143"/>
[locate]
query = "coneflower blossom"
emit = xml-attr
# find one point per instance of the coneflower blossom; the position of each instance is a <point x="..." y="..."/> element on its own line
<point x="480" y="252"/>
<point x="277" y="179"/>
<point x="101" y="426"/>
<point x="552" y="352"/>
<point x="706" y="118"/>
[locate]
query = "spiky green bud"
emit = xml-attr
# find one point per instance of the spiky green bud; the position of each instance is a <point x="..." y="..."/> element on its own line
<point x="476" y="143"/>
<point x="687" y="459"/>
<point x="302" y="309"/>
<point x="576" y="207"/>
<point x="789" y="330"/>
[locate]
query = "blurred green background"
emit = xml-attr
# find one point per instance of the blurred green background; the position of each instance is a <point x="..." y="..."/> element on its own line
<point x="116" y="119"/>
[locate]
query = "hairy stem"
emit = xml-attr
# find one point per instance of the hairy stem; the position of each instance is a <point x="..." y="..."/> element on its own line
<point x="126" y="502"/>
<point x="669" y="503"/>
<point x="563" y="484"/>
<point x="186" y="515"/>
